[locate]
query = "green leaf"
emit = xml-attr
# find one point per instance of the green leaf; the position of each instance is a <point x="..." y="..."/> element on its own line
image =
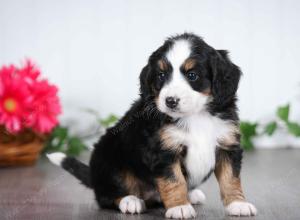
<point x="61" y="132"/>
<point x="248" y="129"/>
<point x="247" y="143"/>
<point x="294" y="128"/>
<point x="56" y="140"/>
<point x="75" y="146"/>
<point x="270" y="128"/>
<point x="61" y="141"/>
<point x="106" y="122"/>
<point x="283" y="112"/>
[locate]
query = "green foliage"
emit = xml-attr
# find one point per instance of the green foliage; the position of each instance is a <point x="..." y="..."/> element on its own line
<point x="110" y="120"/>
<point x="75" y="146"/>
<point x="61" y="141"/>
<point x="247" y="143"/>
<point x="104" y="122"/>
<point x="294" y="128"/>
<point x="283" y="112"/>
<point x="270" y="128"/>
<point x="248" y="129"/>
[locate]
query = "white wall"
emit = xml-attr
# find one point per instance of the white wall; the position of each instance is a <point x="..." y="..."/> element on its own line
<point x="94" y="50"/>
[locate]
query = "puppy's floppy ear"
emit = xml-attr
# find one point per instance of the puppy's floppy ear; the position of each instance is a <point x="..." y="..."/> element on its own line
<point x="225" y="77"/>
<point x="144" y="82"/>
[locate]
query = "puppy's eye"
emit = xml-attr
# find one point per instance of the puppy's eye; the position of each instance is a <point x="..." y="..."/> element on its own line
<point x="192" y="76"/>
<point x="162" y="76"/>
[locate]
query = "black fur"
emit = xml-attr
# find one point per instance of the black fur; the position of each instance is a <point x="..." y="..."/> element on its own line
<point x="234" y="156"/>
<point x="134" y="144"/>
<point x="78" y="169"/>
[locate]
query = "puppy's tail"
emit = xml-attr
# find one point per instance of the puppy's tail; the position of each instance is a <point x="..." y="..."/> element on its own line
<point x="73" y="166"/>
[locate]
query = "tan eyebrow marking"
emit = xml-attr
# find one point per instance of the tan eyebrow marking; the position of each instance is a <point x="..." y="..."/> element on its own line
<point x="162" y="65"/>
<point x="189" y="64"/>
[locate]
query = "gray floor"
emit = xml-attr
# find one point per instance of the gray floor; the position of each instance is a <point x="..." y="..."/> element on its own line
<point x="270" y="178"/>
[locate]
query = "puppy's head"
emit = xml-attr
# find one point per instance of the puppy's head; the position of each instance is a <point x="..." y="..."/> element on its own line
<point x="185" y="74"/>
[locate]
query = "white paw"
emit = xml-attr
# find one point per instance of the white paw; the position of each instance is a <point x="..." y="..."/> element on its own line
<point x="181" y="212"/>
<point x="132" y="204"/>
<point x="196" y="196"/>
<point x="240" y="208"/>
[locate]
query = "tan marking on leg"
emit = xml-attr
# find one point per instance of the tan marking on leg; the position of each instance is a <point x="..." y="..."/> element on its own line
<point x="173" y="191"/>
<point x="230" y="186"/>
<point x="117" y="201"/>
<point x="132" y="184"/>
<point x="139" y="188"/>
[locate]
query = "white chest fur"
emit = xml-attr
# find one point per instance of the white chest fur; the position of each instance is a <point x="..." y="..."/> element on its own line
<point x="200" y="134"/>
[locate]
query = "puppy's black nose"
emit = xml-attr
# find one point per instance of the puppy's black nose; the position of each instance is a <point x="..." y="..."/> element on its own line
<point x="172" y="102"/>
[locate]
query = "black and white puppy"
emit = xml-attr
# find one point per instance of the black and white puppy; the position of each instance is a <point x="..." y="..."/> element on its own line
<point x="183" y="127"/>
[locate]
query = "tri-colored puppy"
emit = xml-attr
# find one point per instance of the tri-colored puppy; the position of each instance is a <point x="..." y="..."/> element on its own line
<point x="183" y="127"/>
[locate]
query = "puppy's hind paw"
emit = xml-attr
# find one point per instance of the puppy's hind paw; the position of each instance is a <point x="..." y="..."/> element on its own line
<point x="241" y="208"/>
<point x="132" y="205"/>
<point x="181" y="212"/>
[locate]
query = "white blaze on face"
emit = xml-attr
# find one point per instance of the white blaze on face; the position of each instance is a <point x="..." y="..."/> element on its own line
<point x="190" y="101"/>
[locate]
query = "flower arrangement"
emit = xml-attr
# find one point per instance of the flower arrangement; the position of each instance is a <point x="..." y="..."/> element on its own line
<point x="26" y="100"/>
<point x="29" y="110"/>
<point x="29" y="107"/>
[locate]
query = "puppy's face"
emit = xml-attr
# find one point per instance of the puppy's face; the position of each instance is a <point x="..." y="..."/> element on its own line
<point x="185" y="86"/>
<point x="182" y="76"/>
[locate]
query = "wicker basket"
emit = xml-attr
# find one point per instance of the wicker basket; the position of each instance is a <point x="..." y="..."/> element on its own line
<point x="21" y="149"/>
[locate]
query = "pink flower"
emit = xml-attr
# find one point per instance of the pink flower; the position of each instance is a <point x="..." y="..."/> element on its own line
<point x="27" y="101"/>
<point x="45" y="107"/>
<point x="15" y="99"/>
<point x="29" y="72"/>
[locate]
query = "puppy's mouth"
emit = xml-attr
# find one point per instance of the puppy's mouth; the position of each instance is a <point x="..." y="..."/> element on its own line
<point x="174" y="110"/>
<point x="175" y="113"/>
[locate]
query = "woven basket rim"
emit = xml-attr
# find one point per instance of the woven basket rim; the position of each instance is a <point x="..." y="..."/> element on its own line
<point x="20" y="149"/>
<point x="24" y="136"/>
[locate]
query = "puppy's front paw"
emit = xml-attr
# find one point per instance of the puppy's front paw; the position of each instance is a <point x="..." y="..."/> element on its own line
<point x="196" y="196"/>
<point x="132" y="204"/>
<point x="241" y="208"/>
<point x="181" y="212"/>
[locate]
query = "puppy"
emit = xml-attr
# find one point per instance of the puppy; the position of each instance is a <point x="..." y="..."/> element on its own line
<point x="183" y="128"/>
